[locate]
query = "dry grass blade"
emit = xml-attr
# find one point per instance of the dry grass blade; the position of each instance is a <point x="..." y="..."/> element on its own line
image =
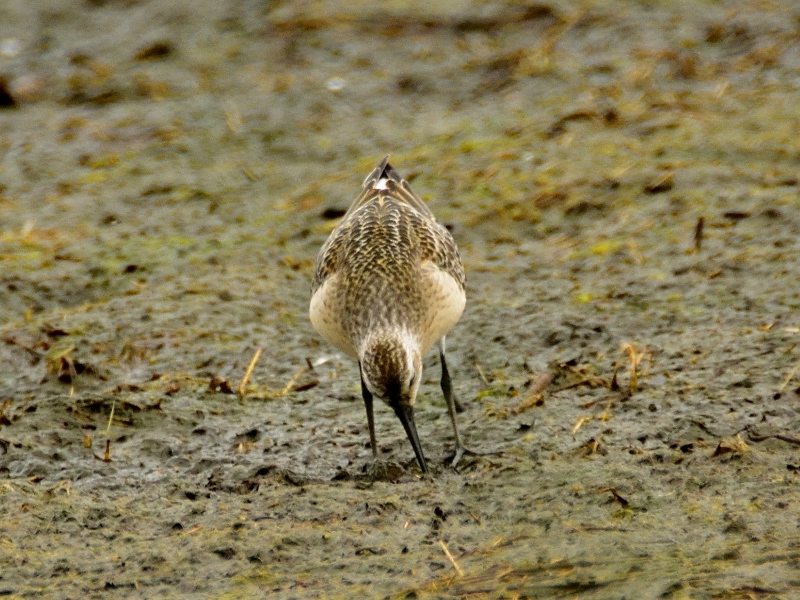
<point x="290" y="386"/>
<point x="520" y="586"/>
<point x="635" y="356"/>
<point x="636" y="254"/>
<point x="111" y="418"/>
<point x="73" y="374"/>
<point x="789" y="377"/>
<point x="65" y="485"/>
<point x="242" y="389"/>
<point x="233" y="118"/>
<point x="482" y="374"/>
<point x="450" y="556"/>
<point x="734" y="445"/>
<point x="581" y="421"/>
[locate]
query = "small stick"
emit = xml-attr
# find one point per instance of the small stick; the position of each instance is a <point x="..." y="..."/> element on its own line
<point x="481" y="373"/>
<point x="450" y="556"/>
<point x="787" y="438"/>
<point x="698" y="234"/>
<point x="791" y="374"/>
<point x="778" y="436"/>
<point x="243" y="385"/>
<point x="107" y="454"/>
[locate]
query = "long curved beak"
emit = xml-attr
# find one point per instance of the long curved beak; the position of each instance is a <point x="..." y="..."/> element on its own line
<point x="405" y="412"/>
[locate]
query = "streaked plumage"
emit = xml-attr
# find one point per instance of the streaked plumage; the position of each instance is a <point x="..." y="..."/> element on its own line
<point x="388" y="285"/>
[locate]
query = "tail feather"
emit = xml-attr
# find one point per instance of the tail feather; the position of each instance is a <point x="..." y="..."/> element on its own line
<point x="385" y="180"/>
<point x="383" y="171"/>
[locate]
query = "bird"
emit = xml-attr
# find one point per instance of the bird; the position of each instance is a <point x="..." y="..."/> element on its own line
<point x="388" y="285"/>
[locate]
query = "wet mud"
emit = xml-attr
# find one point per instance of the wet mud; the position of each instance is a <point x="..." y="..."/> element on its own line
<point x="622" y="180"/>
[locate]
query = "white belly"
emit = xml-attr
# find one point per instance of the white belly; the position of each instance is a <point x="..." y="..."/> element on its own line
<point x="326" y="318"/>
<point x="446" y="302"/>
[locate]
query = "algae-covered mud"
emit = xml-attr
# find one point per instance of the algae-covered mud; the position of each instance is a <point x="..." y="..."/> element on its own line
<point x="623" y="181"/>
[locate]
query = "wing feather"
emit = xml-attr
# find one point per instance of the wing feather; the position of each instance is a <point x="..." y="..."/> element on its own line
<point x="381" y="185"/>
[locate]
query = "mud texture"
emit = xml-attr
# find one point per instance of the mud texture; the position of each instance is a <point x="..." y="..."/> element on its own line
<point x="623" y="179"/>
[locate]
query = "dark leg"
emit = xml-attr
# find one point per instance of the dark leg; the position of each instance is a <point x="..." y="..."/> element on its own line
<point x="447" y="390"/>
<point x="367" y="395"/>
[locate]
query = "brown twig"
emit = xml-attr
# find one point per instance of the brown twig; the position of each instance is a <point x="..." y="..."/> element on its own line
<point x="787" y="438"/>
<point x="753" y="437"/>
<point x="592" y="381"/>
<point x="535" y="394"/>
<point x="698" y="234"/>
<point x="622" y="501"/>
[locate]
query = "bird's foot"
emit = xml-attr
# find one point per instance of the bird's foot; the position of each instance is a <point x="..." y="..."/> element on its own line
<point x="459" y="453"/>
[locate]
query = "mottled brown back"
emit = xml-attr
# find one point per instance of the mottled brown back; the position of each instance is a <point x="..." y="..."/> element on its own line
<point x="378" y="248"/>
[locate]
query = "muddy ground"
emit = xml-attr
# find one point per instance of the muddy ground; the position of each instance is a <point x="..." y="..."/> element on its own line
<point x="169" y="171"/>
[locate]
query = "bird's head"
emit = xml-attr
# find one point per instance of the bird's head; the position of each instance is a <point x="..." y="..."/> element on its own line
<point x="391" y="367"/>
